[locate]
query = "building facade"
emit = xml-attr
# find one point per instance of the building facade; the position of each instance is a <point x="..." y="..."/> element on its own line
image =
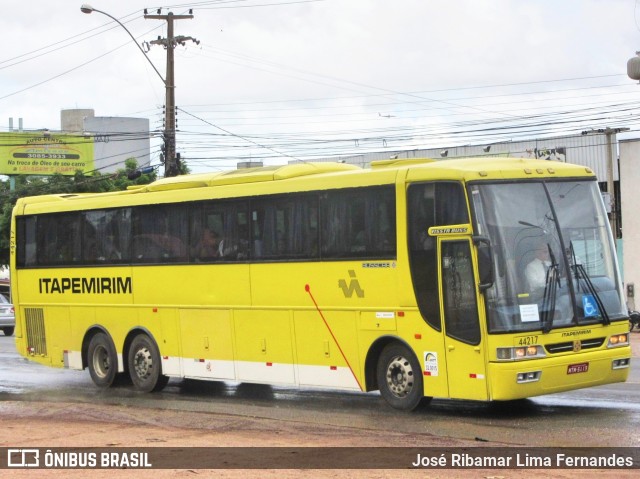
<point x="115" y="139"/>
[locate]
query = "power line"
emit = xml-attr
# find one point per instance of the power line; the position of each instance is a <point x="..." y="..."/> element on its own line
<point x="238" y="136"/>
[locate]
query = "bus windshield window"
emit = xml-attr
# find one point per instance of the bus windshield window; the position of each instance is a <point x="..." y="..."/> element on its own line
<point x="554" y="259"/>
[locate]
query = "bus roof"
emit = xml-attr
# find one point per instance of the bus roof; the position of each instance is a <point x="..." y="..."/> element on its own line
<point x="247" y="175"/>
<point x="385" y="171"/>
<point x="502" y="168"/>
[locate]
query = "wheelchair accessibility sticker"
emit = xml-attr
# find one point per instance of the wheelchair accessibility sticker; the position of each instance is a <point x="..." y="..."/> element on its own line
<point x="589" y="306"/>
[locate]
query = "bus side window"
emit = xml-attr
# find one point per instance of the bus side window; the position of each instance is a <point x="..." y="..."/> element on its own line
<point x="256" y="231"/>
<point x="160" y="234"/>
<point x="459" y="293"/>
<point x="431" y="204"/>
<point x="423" y="252"/>
<point x="224" y="223"/>
<point x="234" y="229"/>
<point x="285" y="228"/>
<point x="358" y="222"/>
<point x="105" y="236"/>
<point x="205" y="228"/>
<point x="26" y="248"/>
<point x="242" y="233"/>
<point x="58" y="239"/>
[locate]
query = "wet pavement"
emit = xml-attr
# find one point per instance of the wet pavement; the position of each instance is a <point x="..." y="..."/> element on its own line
<point x="602" y="416"/>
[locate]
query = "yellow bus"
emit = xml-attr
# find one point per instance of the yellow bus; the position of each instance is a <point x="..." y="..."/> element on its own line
<point x="492" y="279"/>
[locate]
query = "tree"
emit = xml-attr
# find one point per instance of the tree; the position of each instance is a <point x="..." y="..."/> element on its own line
<point x="60" y="184"/>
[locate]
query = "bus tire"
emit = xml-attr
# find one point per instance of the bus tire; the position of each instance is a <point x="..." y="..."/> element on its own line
<point x="400" y="377"/>
<point x="145" y="366"/>
<point x="102" y="360"/>
<point x="8" y="331"/>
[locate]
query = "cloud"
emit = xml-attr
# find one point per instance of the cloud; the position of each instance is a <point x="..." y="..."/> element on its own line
<point x="321" y="77"/>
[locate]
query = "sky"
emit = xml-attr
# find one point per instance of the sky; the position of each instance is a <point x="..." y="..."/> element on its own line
<point x="283" y="80"/>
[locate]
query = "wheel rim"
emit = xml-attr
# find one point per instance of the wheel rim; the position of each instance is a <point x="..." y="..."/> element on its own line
<point x="399" y="376"/>
<point x="101" y="362"/>
<point x="142" y="363"/>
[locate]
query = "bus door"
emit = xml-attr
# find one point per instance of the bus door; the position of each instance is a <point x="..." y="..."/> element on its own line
<point x="466" y="366"/>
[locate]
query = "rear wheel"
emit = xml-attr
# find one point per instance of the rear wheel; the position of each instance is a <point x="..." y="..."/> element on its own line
<point x="400" y="377"/>
<point x="8" y="331"/>
<point x="144" y="364"/>
<point x="103" y="360"/>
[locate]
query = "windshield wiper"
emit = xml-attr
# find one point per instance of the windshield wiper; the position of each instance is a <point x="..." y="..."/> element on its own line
<point x="551" y="285"/>
<point x="581" y="273"/>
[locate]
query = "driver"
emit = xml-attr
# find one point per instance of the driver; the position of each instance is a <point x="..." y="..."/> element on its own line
<point x="536" y="270"/>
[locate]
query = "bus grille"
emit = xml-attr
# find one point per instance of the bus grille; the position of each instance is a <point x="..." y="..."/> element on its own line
<point x="568" y="346"/>
<point x="36" y="339"/>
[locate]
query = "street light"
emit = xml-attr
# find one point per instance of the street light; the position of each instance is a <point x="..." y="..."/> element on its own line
<point x="170" y="127"/>
<point x="85" y="8"/>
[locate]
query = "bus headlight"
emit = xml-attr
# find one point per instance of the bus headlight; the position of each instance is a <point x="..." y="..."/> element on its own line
<point x="618" y="340"/>
<point x="520" y="353"/>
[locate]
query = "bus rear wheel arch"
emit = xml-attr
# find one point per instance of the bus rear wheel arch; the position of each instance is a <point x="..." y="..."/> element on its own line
<point x="145" y="365"/>
<point x="399" y="377"/>
<point x="102" y="360"/>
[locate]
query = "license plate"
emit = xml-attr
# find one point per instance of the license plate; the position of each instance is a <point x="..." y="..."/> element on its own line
<point x="577" y="368"/>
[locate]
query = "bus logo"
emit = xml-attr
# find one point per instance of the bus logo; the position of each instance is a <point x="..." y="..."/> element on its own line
<point x="352" y="287"/>
<point x="23" y="458"/>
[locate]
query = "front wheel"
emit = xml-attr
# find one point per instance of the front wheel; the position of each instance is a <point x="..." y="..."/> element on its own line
<point x="102" y="360"/>
<point x="400" y="377"/>
<point x="144" y="364"/>
<point x="8" y="331"/>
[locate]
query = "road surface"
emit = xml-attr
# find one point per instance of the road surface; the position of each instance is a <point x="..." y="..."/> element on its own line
<point x="45" y="407"/>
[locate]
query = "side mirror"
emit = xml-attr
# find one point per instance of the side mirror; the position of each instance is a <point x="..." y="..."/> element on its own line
<point x="485" y="261"/>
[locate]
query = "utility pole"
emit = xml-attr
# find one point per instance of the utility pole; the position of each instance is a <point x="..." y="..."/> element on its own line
<point x="610" y="184"/>
<point x="171" y="166"/>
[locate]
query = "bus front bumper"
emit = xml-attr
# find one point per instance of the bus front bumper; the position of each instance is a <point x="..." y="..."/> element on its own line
<point x="522" y="379"/>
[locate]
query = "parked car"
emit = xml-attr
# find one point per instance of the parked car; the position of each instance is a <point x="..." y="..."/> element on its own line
<point x="7" y="316"/>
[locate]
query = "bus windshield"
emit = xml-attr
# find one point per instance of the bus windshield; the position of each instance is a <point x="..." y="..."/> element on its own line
<point x="554" y="260"/>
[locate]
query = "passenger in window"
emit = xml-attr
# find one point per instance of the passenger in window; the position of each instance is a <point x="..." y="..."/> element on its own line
<point x="243" y="248"/>
<point x="91" y="252"/>
<point x="227" y="249"/>
<point x="208" y="246"/>
<point x="111" y="252"/>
